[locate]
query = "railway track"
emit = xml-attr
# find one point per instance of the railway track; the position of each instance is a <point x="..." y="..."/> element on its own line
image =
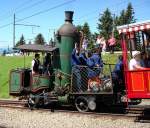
<point x="139" y="114"/>
<point x="13" y="104"/>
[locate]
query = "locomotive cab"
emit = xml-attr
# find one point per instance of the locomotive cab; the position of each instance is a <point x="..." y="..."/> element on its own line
<point x="23" y="82"/>
<point x="19" y="80"/>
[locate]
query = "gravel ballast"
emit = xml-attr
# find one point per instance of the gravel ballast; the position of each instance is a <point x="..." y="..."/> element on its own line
<point x="18" y="118"/>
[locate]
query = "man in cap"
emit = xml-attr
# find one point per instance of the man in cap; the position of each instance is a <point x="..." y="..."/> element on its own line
<point x="134" y="63"/>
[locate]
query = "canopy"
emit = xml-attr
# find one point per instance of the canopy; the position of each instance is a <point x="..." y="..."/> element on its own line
<point x="139" y="26"/>
<point x="36" y="48"/>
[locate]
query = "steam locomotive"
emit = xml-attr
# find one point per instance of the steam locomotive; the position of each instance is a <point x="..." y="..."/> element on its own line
<point x="41" y="89"/>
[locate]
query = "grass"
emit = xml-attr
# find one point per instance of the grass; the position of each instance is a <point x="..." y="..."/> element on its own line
<point x="8" y="63"/>
<point x="109" y="59"/>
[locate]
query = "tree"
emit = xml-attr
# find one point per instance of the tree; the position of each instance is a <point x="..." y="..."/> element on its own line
<point x="79" y="28"/>
<point x="105" y="24"/>
<point x="126" y="16"/>
<point x="21" y="41"/>
<point x="122" y="18"/>
<point x="86" y="30"/>
<point x="39" y="39"/>
<point x="129" y="15"/>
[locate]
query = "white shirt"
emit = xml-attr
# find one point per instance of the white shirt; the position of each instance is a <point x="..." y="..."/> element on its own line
<point x="98" y="41"/>
<point x="32" y="64"/>
<point x="84" y="44"/>
<point x="132" y="64"/>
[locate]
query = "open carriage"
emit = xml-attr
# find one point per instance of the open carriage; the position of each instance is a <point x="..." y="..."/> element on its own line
<point x="137" y="81"/>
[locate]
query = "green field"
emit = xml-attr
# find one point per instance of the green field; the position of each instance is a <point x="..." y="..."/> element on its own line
<point x="8" y="63"/>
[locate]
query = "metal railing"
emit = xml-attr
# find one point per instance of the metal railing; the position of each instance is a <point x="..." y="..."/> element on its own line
<point x="95" y="80"/>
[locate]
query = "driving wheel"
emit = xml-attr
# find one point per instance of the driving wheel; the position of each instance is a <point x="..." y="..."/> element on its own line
<point x="81" y="104"/>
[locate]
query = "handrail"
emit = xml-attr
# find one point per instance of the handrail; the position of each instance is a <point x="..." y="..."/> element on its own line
<point x="139" y="70"/>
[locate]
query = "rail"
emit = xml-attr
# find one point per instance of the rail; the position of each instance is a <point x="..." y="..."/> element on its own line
<point x="138" y="114"/>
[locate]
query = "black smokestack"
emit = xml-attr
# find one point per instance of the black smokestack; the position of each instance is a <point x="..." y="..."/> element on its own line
<point x="69" y="16"/>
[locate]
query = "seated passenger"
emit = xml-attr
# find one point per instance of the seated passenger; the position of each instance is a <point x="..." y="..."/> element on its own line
<point x="98" y="63"/>
<point x="83" y="58"/>
<point x="36" y="64"/>
<point x="75" y="62"/>
<point x="83" y="70"/>
<point x="47" y="64"/>
<point x="75" y="56"/>
<point x="93" y="75"/>
<point x="90" y="63"/>
<point x="134" y="63"/>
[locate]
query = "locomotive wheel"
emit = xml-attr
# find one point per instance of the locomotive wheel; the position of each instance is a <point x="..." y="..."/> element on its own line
<point x="92" y="103"/>
<point x="81" y="104"/>
<point x="31" y="103"/>
<point x="34" y="102"/>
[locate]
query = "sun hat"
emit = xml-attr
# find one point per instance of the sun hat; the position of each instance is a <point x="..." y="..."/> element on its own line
<point x="135" y="53"/>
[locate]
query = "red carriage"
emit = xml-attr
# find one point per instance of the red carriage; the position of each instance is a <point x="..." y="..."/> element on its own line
<point x="137" y="81"/>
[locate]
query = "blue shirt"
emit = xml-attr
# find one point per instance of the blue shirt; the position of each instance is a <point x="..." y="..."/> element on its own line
<point x="82" y="59"/>
<point x="118" y="66"/>
<point x="118" y="70"/>
<point x="97" y="60"/>
<point x="90" y="62"/>
<point x="92" y="72"/>
<point x="74" y="58"/>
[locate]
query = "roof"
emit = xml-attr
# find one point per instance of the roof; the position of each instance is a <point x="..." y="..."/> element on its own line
<point x="36" y="48"/>
<point x="144" y="25"/>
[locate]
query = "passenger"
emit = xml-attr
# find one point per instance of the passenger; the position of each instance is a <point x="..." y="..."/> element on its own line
<point x="93" y="79"/>
<point x="83" y="58"/>
<point x="134" y="63"/>
<point x="98" y="63"/>
<point x="36" y="64"/>
<point x="75" y="62"/>
<point x="47" y="64"/>
<point x="83" y="70"/>
<point x="97" y="58"/>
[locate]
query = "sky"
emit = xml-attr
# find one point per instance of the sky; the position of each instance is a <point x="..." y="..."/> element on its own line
<point x="53" y="18"/>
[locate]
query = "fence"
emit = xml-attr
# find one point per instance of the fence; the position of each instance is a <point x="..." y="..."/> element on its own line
<point x="95" y="80"/>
